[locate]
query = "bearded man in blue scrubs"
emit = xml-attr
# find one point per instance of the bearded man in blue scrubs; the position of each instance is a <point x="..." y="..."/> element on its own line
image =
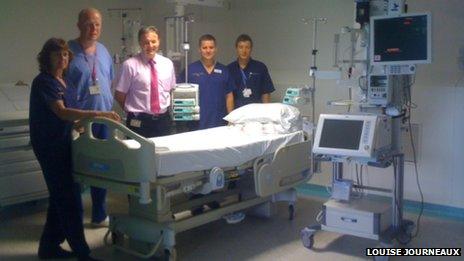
<point x="91" y="73"/>
<point x="252" y="80"/>
<point x="215" y="83"/>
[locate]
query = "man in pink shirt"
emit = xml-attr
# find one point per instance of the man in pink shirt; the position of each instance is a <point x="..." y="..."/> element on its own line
<point x="143" y="87"/>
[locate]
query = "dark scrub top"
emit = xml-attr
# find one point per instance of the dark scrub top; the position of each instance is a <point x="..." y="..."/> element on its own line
<point x="213" y="90"/>
<point x="46" y="129"/>
<point x="255" y="76"/>
<point x="51" y="141"/>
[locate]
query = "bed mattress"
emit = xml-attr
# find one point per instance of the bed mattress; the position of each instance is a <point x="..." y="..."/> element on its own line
<point x="226" y="146"/>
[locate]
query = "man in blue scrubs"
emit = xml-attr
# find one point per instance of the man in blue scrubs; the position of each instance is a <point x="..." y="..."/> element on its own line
<point x="91" y="73"/>
<point x="216" y="85"/>
<point x="251" y="77"/>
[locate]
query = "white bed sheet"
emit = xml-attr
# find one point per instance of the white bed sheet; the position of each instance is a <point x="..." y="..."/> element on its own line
<point x="226" y="146"/>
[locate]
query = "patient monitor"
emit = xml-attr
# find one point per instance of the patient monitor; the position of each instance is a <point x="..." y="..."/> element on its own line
<point x="352" y="136"/>
<point x="401" y="40"/>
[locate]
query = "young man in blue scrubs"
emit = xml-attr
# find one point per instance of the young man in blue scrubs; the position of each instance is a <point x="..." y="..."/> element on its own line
<point x="251" y="77"/>
<point x="216" y="92"/>
<point x="91" y="73"/>
<point x="215" y="83"/>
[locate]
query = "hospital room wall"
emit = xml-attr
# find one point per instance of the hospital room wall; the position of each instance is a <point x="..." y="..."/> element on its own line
<point x="26" y="25"/>
<point x="284" y="43"/>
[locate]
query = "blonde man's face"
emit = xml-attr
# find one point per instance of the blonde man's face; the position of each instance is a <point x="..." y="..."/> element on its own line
<point x="90" y="27"/>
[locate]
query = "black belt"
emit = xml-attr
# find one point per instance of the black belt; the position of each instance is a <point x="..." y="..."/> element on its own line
<point x="146" y="116"/>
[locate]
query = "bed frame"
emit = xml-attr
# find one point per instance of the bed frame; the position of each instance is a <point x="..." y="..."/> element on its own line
<point x="159" y="207"/>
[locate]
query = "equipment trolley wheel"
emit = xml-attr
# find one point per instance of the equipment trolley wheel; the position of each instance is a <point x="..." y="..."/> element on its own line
<point x="291" y="212"/>
<point x="408" y="226"/>
<point x="307" y="237"/>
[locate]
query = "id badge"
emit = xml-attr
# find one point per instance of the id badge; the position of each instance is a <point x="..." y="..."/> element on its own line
<point x="135" y="123"/>
<point x="247" y="92"/>
<point x="94" y="89"/>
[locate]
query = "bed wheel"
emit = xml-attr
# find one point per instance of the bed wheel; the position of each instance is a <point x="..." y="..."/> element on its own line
<point x="291" y="212"/>
<point x="170" y="254"/>
<point x="116" y="238"/>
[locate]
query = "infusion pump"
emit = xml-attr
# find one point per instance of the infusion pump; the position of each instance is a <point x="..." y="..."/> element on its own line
<point x="185" y="102"/>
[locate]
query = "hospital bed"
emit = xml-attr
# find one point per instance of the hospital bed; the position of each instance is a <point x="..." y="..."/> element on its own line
<point x="21" y="178"/>
<point x="236" y="170"/>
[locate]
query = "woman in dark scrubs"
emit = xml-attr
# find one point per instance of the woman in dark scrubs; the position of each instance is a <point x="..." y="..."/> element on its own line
<point x="50" y="124"/>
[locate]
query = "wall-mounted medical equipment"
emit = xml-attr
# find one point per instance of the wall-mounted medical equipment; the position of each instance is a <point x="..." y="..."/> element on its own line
<point x="362" y="11"/>
<point x="379" y="89"/>
<point x="130" y="25"/>
<point x="177" y="45"/>
<point x="401" y="40"/>
<point x="355" y="136"/>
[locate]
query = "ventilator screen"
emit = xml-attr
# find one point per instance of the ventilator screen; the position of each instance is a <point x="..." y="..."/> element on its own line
<point x="341" y="134"/>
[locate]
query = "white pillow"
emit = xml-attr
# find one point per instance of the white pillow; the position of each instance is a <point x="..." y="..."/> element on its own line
<point x="285" y="115"/>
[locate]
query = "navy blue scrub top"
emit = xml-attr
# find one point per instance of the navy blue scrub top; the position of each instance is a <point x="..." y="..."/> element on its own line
<point x="257" y="79"/>
<point x="47" y="131"/>
<point x="213" y="90"/>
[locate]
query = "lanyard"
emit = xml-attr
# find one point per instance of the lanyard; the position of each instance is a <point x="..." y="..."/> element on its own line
<point x="92" y="68"/>
<point x="244" y="78"/>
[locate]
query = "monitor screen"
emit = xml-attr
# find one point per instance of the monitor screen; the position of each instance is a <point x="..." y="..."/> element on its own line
<point x="404" y="39"/>
<point x="341" y="134"/>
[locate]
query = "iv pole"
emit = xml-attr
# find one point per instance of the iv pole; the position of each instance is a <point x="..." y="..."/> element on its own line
<point x="312" y="74"/>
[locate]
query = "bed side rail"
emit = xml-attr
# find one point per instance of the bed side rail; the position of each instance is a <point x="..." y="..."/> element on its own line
<point x="290" y="166"/>
<point x="111" y="158"/>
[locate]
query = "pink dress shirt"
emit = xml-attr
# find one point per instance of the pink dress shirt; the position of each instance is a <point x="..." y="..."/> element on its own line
<point x="134" y="80"/>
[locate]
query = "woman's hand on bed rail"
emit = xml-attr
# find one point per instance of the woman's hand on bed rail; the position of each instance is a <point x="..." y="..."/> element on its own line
<point x="104" y="114"/>
<point x="112" y="115"/>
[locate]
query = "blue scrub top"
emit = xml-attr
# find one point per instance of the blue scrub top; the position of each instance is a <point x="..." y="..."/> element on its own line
<point x="47" y="130"/>
<point x="213" y="90"/>
<point x="257" y="79"/>
<point x="80" y="75"/>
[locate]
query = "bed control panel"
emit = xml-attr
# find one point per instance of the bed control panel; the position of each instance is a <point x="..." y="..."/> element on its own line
<point x="215" y="182"/>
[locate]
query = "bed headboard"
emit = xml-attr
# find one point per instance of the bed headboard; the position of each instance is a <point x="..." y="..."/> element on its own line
<point x="111" y="158"/>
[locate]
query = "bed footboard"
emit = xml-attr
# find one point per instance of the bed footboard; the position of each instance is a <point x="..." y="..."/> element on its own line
<point x="289" y="166"/>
